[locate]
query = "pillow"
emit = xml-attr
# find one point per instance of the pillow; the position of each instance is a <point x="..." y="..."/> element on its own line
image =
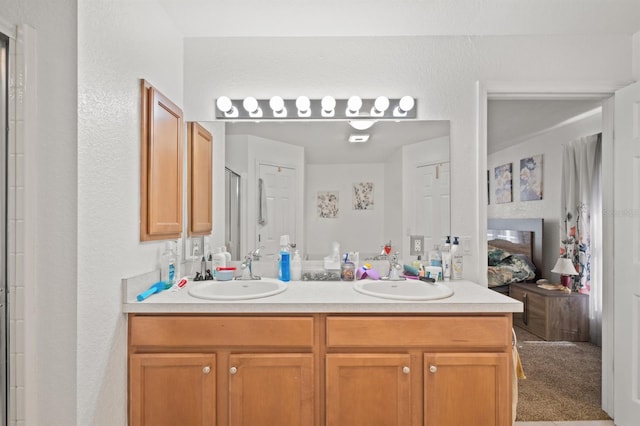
<point x="496" y="255"/>
<point x="512" y="269"/>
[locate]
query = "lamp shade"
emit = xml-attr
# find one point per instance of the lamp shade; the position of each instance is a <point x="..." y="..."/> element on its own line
<point x="564" y="266"/>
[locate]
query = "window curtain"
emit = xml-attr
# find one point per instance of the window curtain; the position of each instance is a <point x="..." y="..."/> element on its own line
<point x="581" y="236"/>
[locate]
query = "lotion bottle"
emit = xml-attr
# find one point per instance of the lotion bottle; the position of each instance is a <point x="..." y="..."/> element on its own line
<point x="296" y="267"/>
<point x="456" y="260"/>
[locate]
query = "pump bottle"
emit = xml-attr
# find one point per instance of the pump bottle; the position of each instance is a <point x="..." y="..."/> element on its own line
<point x="284" y="270"/>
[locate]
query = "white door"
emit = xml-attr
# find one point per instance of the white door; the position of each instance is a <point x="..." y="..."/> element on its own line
<point x="432" y="203"/>
<point x="627" y="256"/>
<point x="279" y="185"/>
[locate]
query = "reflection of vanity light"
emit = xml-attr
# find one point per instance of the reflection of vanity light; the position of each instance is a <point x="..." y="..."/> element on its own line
<point x="404" y="106"/>
<point x="276" y="103"/>
<point x="353" y="106"/>
<point x="361" y="124"/>
<point x="304" y="106"/>
<point x="328" y="105"/>
<point x="250" y="105"/>
<point x="225" y="105"/>
<point x="359" y="138"/>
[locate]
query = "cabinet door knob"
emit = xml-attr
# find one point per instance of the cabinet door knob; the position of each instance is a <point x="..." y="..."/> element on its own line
<point x="206" y="369"/>
<point x="406" y="369"/>
<point x="433" y="368"/>
<point x="233" y="370"/>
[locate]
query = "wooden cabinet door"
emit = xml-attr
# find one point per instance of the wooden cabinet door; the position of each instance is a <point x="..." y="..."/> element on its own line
<point x="467" y="389"/>
<point x="161" y="167"/>
<point x="200" y="185"/>
<point x="172" y="389"/>
<point x="271" y="389"/>
<point x="368" y="390"/>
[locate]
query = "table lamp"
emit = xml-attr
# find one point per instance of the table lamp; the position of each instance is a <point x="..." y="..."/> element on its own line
<point x="565" y="268"/>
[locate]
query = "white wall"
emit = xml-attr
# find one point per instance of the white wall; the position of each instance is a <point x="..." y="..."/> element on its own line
<point x="48" y="173"/>
<point x="440" y="71"/>
<point x="119" y="43"/>
<point x="549" y="144"/>
<point x="356" y="230"/>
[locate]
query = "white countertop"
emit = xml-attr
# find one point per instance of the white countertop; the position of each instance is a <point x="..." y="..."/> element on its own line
<point x="321" y="297"/>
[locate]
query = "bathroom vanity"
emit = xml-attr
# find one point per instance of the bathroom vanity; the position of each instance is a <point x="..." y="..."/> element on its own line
<point x="320" y="353"/>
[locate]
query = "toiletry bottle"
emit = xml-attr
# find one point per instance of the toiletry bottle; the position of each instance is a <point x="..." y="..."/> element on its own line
<point x="218" y="259"/>
<point x="296" y="266"/>
<point x="227" y="255"/>
<point x="456" y="260"/>
<point x="284" y="270"/>
<point x="168" y="265"/>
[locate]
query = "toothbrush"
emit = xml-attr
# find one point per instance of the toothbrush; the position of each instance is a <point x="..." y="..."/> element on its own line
<point x="155" y="288"/>
<point x="177" y="286"/>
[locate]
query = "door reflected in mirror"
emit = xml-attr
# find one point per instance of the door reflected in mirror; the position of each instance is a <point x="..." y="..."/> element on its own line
<point x="306" y="180"/>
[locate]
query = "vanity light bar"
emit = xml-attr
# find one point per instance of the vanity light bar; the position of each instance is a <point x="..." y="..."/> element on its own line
<point x="303" y="107"/>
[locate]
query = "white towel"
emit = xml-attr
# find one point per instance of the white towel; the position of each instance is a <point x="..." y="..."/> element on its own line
<point x="262" y="203"/>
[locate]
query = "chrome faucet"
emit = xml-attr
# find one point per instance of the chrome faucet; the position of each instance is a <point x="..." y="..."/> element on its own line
<point x="394" y="268"/>
<point x="247" y="271"/>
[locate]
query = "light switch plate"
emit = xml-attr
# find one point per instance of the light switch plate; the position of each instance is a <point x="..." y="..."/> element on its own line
<point x="416" y="245"/>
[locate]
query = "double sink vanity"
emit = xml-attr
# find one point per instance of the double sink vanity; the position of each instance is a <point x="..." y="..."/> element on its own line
<point x="305" y="353"/>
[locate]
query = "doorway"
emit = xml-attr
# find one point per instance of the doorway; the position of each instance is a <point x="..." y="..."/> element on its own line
<point x="596" y="93"/>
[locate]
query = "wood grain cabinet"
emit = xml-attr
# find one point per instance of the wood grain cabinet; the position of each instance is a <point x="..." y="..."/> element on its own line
<point x="320" y="369"/>
<point x="418" y="370"/>
<point x="200" y="184"/>
<point x="172" y="389"/>
<point x="161" y="166"/>
<point x="236" y="371"/>
<point x="552" y="314"/>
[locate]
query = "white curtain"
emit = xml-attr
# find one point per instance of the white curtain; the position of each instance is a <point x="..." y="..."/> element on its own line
<point x="581" y="236"/>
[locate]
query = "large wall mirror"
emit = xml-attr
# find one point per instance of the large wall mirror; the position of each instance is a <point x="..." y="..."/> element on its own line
<point x="306" y="180"/>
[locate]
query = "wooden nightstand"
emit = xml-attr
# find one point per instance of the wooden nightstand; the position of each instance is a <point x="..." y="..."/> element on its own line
<point x="552" y="314"/>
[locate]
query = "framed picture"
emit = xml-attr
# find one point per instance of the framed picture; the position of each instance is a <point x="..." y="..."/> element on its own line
<point x="531" y="178"/>
<point x="503" y="177"/>
<point x="328" y="204"/>
<point x="363" y="196"/>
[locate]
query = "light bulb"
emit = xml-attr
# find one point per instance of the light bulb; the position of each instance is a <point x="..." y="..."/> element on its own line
<point x="277" y="105"/>
<point x="328" y="106"/>
<point x="250" y="104"/>
<point x="406" y="103"/>
<point x="303" y="104"/>
<point x="353" y="105"/>
<point x="381" y="104"/>
<point x="224" y="104"/>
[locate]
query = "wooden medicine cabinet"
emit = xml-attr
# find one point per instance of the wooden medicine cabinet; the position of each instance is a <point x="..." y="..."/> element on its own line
<point x="200" y="191"/>
<point x="161" y="166"/>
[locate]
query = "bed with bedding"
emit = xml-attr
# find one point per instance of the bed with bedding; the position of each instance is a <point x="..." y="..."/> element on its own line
<point x="514" y="248"/>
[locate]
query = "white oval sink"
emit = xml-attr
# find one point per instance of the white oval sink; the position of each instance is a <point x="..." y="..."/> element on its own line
<point x="403" y="290"/>
<point x="238" y="289"/>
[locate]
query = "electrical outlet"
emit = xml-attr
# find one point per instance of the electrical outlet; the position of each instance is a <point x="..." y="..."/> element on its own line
<point x="465" y="242"/>
<point x="193" y="248"/>
<point x="416" y="245"/>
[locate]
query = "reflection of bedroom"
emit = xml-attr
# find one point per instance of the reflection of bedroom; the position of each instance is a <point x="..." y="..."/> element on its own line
<point x="526" y="139"/>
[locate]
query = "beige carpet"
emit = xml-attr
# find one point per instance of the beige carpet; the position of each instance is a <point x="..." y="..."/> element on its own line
<point x="563" y="380"/>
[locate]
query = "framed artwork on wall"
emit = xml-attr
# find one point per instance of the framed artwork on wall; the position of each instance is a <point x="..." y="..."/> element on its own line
<point x="531" y="178"/>
<point x="363" y="196"/>
<point x="328" y="204"/>
<point x="503" y="177"/>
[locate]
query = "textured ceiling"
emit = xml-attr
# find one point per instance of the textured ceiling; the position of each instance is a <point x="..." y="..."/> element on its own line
<point x="302" y="18"/>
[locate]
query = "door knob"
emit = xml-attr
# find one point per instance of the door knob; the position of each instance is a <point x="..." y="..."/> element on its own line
<point x="233" y="370"/>
<point x="206" y="369"/>
<point x="406" y="369"/>
<point x="433" y="369"/>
